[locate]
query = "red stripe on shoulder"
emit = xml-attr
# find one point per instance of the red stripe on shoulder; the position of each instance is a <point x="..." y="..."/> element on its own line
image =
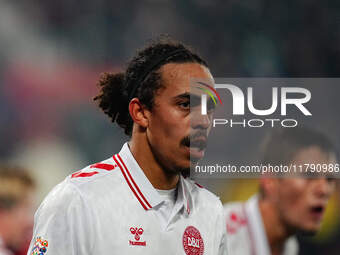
<point x="107" y="167"/>
<point x="80" y="174"/>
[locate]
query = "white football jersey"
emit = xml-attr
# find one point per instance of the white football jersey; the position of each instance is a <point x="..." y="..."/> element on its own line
<point x="245" y="230"/>
<point x="112" y="208"/>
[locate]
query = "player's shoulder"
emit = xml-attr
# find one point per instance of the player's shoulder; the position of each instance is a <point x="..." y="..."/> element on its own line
<point x="234" y="207"/>
<point x="85" y="183"/>
<point x="94" y="173"/>
<point x="235" y="216"/>
<point x="59" y="199"/>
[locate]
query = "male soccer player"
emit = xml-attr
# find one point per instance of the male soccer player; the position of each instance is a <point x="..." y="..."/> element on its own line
<point x="16" y="208"/>
<point x="138" y="201"/>
<point x="267" y="222"/>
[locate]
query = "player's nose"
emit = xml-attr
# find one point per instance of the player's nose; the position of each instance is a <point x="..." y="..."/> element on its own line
<point x="199" y="121"/>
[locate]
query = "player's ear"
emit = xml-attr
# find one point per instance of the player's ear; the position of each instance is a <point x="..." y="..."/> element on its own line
<point x="138" y="113"/>
<point x="268" y="186"/>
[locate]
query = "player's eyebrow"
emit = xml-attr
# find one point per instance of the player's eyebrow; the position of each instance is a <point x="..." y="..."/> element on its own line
<point x="195" y="99"/>
<point x="185" y="95"/>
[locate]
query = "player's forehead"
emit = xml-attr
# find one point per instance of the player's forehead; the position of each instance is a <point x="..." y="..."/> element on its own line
<point x="177" y="77"/>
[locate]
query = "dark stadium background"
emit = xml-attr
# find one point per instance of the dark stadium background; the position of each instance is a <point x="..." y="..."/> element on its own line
<point x="52" y="52"/>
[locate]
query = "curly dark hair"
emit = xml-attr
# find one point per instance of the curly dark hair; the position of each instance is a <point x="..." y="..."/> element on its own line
<point x="141" y="79"/>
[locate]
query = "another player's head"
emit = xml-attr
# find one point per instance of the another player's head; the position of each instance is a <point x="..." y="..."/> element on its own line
<point x="151" y="102"/>
<point x="16" y="206"/>
<point x="299" y="202"/>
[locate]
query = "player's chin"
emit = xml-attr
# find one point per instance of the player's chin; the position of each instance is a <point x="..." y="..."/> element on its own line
<point x="181" y="164"/>
<point x="194" y="161"/>
<point x="186" y="163"/>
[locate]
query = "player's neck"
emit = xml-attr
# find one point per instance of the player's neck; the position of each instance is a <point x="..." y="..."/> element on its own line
<point x="142" y="153"/>
<point x="277" y="235"/>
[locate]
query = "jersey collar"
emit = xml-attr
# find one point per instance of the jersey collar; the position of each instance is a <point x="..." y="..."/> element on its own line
<point x="141" y="187"/>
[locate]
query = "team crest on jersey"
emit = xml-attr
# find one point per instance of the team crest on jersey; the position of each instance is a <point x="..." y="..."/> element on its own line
<point x="192" y="241"/>
<point x="137" y="232"/>
<point x="40" y="246"/>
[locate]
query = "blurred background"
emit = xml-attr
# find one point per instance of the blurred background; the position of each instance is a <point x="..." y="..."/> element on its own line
<point x="52" y="53"/>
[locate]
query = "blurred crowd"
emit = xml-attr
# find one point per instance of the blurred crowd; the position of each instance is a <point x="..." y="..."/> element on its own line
<point x="52" y="53"/>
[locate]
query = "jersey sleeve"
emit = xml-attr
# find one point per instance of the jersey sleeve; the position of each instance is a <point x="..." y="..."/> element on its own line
<point x="63" y="224"/>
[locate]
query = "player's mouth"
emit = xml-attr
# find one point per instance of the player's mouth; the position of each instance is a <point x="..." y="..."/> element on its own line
<point x="317" y="212"/>
<point x="197" y="147"/>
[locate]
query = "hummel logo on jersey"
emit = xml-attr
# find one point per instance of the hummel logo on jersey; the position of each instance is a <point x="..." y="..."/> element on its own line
<point x="137" y="232"/>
